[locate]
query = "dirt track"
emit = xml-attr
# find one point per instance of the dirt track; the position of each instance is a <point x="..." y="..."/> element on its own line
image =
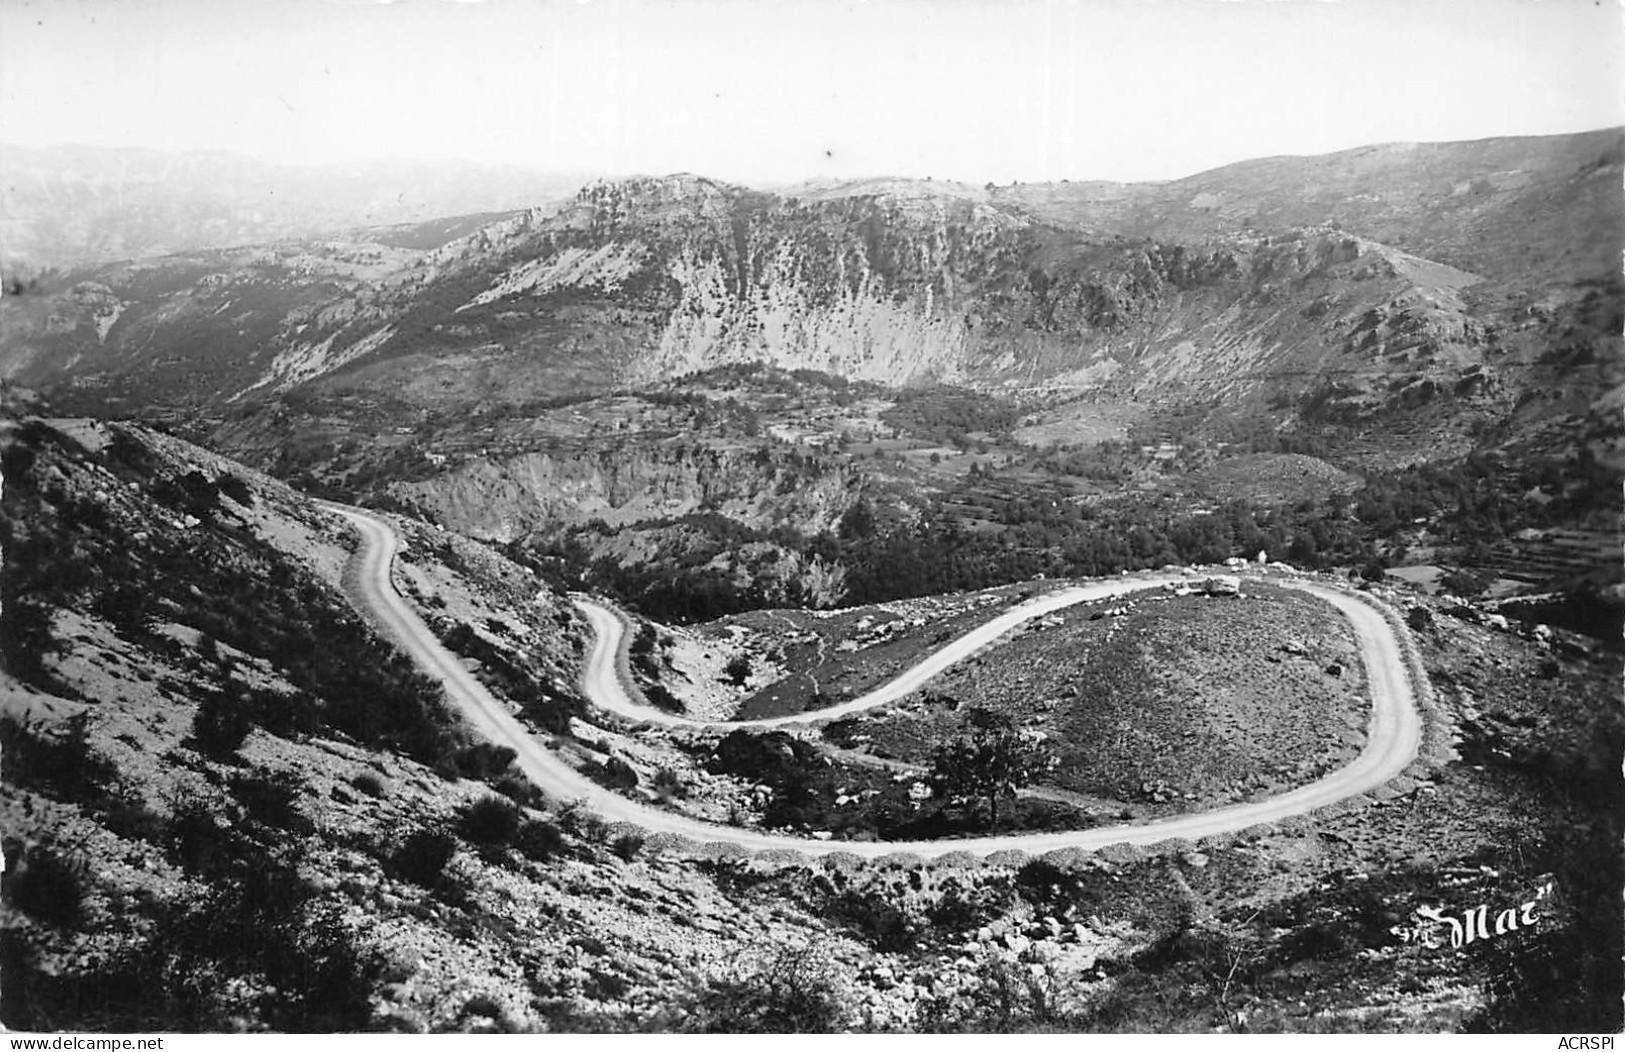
<point x="1393" y="734"/>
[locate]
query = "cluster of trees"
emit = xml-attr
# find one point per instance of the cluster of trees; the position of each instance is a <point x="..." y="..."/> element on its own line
<point x="196" y="494"/>
<point x="644" y="656"/>
<point x="801" y="782"/>
<point x="706" y="566"/>
<point x="985" y="764"/>
<point x="949" y="415"/>
<point x="1108" y="461"/>
<point x="1470" y="506"/>
<point x="680" y="594"/>
<point x="1482" y="498"/>
<point x="767" y="379"/>
<point x="940" y="554"/>
<point x="885" y="560"/>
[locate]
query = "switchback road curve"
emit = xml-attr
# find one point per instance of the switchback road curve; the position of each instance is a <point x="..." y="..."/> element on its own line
<point x="1393" y="737"/>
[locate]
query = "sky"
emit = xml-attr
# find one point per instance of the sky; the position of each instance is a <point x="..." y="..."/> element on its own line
<point x="772" y="91"/>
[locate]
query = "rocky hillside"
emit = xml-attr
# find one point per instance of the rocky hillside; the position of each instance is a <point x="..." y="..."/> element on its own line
<point x="229" y="805"/>
<point x="506" y="499"/>
<point x="1527" y="211"/>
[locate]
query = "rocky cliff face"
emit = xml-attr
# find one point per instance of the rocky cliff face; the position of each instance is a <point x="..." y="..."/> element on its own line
<point x="908" y="288"/>
<point x="505" y="498"/>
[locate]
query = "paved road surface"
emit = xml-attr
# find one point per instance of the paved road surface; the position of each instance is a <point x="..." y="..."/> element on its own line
<point x="1393" y="736"/>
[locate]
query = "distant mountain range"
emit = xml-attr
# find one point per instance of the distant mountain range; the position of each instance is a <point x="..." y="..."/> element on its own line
<point x="66" y="205"/>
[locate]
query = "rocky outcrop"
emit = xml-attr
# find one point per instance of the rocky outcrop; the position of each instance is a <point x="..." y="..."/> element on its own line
<point x="503" y="499"/>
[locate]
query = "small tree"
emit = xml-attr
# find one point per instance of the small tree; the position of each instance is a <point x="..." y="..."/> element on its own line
<point x="1468" y="584"/>
<point x="669" y="784"/>
<point x="423" y="857"/>
<point x="47" y="887"/>
<point x="614" y="773"/>
<point x="988" y="764"/>
<point x="220" y="726"/>
<point x="539" y="840"/>
<point x="858" y="521"/>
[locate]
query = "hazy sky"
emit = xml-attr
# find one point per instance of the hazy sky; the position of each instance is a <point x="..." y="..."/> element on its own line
<point x="778" y="90"/>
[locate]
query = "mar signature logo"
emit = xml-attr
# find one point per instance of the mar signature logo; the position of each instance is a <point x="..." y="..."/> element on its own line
<point x="1473" y="924"/>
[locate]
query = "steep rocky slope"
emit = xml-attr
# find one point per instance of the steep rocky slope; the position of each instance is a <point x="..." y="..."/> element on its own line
<point x="506" y="499"/>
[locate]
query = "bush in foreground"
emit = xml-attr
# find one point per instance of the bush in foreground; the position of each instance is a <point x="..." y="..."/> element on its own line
<point x="422" y="858"/>
<point x="794" y="994"/>
<point x="492" y="821"/>
<point x="47" y="887"/>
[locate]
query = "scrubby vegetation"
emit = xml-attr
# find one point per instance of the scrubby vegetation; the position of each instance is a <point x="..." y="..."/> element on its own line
<point x="68" y="549"/>
<point x="422" y="857"/>
<point x="491" y="820"/>
<point x="809" y="792"/>
<point x="542" y="702"/>
<point x="255" y="940"/>
<point x="792" y="994"/>
<point x="46" y="884"/>
<point x="58" y="762"/>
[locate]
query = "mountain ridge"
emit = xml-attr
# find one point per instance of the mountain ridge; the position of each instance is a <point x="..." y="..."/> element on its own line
<point x="635" y="282"/>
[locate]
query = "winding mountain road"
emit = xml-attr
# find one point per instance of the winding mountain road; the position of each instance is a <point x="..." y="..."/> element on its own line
<point x="1393" y="735"/>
